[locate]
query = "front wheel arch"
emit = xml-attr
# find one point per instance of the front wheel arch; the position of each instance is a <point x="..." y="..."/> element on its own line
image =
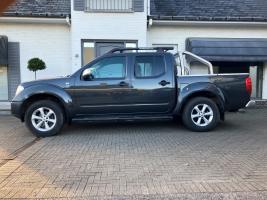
<point x="38" y="97"/>
<point x="40" y="123"/>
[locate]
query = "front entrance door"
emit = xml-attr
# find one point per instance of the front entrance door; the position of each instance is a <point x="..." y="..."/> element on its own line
<point x="102" y="47"/>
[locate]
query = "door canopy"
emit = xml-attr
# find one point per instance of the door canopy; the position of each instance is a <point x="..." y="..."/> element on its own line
<point x="228" y="49"/>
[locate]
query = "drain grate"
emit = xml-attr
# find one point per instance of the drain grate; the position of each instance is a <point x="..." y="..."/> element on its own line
<point x="18" y="152"/>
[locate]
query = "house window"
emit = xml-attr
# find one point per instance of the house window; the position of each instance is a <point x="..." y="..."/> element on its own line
<point x="130" y="45"/>
<point x="3" y="83"/>
<point x="92" y="49"/>
<point x="88" y="52"/>
<point x="109" y="5"/>
<point x="256" y="74"/>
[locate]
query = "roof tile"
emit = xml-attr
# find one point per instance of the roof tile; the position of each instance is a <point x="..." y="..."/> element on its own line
<point x="41" y="6"/>
<point x="209" y="8"/>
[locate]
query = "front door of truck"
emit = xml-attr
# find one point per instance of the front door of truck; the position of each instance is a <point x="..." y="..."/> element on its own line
<point x="107" y="90"/>
<point x="153" y="86"/>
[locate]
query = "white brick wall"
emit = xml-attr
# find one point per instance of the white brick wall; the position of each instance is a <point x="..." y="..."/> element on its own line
<point x="49" y="42"/>
<point x="105" y="26"/>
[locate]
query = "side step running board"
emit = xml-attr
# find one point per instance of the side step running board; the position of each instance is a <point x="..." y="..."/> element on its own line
<point x="110" y="118"/>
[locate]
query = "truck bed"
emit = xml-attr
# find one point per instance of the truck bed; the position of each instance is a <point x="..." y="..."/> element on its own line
<point x="230" y="88"/>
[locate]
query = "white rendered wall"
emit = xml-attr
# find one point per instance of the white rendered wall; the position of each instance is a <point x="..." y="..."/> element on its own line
<point x="178" y="35"/>
<point x="106" y="26"/>
<point x="49" y="42"/>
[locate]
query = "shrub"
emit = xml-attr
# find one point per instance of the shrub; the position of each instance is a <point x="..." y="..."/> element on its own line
<point x="36" y="64"/>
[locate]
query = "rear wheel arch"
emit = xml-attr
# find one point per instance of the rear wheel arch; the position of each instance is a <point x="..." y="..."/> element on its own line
<point x="210" y="95"/>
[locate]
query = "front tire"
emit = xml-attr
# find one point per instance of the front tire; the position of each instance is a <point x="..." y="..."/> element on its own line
<point x="44" y="118"/>
<point x="200" y="114"/>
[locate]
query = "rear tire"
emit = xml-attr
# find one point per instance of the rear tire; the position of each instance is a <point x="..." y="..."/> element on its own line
<point x="44" y="118"/>
<point x="200" y="114"/>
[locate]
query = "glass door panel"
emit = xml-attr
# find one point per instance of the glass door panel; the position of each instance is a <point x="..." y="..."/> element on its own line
<point x="256" y="74"/>
<point x="3" y="83"/>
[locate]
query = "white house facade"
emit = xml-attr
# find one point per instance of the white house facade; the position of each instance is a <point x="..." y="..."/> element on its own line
<point x="68" y="34"/>
<point x="31" y="32"/>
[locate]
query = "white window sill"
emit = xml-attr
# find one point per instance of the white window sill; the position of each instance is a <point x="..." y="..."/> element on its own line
<point x="109" y="11"/>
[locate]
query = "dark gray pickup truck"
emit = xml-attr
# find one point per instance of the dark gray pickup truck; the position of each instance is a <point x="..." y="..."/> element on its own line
<point x="121" y="85"/>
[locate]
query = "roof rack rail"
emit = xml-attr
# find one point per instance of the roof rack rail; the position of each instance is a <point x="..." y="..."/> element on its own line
<point x="159" y="49"/>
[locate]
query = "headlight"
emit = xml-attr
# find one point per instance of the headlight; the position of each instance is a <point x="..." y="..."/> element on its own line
<point x="20" y="88"/>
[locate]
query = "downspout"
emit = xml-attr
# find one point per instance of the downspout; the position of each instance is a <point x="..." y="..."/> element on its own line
<point x="68" y="20"/>
<point x="148" y="7"/>
<point x="150" y="22"/>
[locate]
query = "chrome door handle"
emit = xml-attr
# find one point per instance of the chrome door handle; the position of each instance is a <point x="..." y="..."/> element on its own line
<point x="123" y="84"/>
<point x="163" y="83"/>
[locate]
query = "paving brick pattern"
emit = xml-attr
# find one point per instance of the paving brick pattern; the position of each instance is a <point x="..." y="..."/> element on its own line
<point x="13" y="135"/>
<point x="141" y="159"/>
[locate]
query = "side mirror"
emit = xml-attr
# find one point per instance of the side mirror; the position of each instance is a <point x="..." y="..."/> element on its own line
<point x="87" y="73"/>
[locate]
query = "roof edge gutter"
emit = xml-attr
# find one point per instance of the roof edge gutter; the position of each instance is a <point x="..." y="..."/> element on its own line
<point x="43" y="15"/>
<point x="208" y="23"/>
<point x="33" y="20"/>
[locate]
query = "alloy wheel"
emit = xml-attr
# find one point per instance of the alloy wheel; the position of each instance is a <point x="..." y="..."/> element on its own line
<point x="202" y="115"/>
<point x="43" y="119"/>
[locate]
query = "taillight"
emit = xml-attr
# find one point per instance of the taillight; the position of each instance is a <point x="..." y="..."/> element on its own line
<point x="249" y="85"/>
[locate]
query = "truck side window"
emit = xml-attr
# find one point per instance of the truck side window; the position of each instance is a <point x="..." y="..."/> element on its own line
<point x="159" y="65"/>
<point x="113" y="67"/>
<point x="148" y="66"/>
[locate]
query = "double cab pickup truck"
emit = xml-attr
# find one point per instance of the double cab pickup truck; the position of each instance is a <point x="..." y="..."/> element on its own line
<point x="131" y="84"/>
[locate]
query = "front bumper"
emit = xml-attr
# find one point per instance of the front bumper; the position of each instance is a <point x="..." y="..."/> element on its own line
<point x="15" y="108"/>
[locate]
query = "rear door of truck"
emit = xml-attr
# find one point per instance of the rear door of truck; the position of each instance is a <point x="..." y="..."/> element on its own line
<point x="152" y="81"/>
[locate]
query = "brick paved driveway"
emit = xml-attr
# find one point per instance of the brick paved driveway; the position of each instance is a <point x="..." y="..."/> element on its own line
<point x="128" y="160"/>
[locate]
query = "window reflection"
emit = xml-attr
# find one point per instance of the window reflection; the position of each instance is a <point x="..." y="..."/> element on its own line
<point x="113" y="67"/>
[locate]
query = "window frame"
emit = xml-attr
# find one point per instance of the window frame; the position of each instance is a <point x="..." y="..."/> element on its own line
<point x="115" y="78"/>
<point x="8" y="84"/>
<point x="102" y="41"/>
<point x="87" y="9"/>
<point x="148" y="77"/>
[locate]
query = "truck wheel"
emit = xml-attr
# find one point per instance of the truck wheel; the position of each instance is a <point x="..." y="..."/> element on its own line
<point x="200" y="114"/>
<point x="44" y="118"/>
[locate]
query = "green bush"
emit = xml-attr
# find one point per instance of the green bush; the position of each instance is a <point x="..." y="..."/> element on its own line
<point x="36" y="64"/>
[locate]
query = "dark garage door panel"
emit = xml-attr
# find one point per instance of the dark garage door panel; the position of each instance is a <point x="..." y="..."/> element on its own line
<point x="13" y="67"/>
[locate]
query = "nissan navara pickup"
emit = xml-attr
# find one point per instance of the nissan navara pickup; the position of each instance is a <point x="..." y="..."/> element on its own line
<point x="138" y="85"/>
